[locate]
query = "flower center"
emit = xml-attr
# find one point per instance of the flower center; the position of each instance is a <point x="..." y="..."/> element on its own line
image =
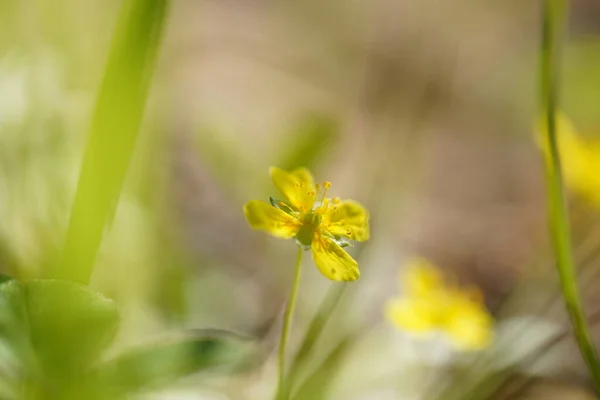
<point x="310" y="224"/>
<point x="312" y="218"/>
<point x="324" y="202"/>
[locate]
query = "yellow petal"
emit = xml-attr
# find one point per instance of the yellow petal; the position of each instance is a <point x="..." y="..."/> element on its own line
<point x="580" y="160"/>
<point x="264" y="217"/>
<point x="349" y="219"/>
<point x="333" y="261"/>
<point x="592" y="175"/>
<point x="297" y="186"/>
<point x="468" y="324"/>
<point x="413" y="315"/>
<point x="422" y="279"/>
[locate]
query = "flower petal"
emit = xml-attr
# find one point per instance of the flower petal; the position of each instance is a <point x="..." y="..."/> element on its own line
<point x="348" y="219"/>
<point x="264" y="217"/>
<point x="298" y="186"/>
<point x="333" y="261"/>
<point x="421" y="278"/>
<point x="415" y="315"/>
<point x="468" y="325"/>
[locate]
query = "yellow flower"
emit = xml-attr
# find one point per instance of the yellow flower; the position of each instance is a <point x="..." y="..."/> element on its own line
<point x="580" y="158"/>
<point x="429" y="305"/>
<point x="317" y="222"/>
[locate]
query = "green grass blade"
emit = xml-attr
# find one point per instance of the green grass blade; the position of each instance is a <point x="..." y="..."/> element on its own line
<point x="553" y="24"/>
<point x="314" y="331"/>
<point x="115" y="125"/>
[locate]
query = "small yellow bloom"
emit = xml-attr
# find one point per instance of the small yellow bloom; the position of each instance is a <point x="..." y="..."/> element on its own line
<point x="429" y="304"/>
<point x="315" y="221"/>
<point x="580" y="158"/>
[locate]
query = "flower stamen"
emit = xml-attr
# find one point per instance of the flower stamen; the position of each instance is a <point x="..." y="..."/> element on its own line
<point x="326" y="186"/>
<point x="324" y="202"/>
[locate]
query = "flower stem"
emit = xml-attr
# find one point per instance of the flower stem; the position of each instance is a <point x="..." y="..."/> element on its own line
<point x="287" y="320"/>
<point x="553" y="23"/>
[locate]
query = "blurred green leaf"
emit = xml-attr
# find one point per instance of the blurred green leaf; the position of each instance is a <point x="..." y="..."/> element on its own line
<point x="70" y="325"/>
<point x="115" y="125"/>
<point x="12" y="304"/>
<point x="5" y="278"/>
<point x="314" y="331"/>
<point x="8" y="286"/>
<point x="316" y="386"/>
<point x="160" y="364"/>
<point x="15" y="348"/>
<point x="311" y="137"/>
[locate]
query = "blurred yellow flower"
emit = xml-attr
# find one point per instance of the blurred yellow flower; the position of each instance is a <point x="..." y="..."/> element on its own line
<point x="580" y="158"/>
<point x="315" y="221"/>
<point x="429" y="304"/>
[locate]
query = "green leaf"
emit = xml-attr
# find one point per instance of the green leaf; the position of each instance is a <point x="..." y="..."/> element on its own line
<point x="316" y="386"/>
<point x="5" y="278"/>
<point x="114" y="129"/>
<point x="10" y="289"/>
<point x="312" y="136"/>
<point x="70" y="325"/>
<point x="13" y="314"/>
<point x="163" y="363"/>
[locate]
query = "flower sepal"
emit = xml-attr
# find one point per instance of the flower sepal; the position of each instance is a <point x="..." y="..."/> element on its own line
<point x="283" y="206"/>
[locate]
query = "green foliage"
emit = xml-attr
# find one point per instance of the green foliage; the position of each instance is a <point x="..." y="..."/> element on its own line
<point x="71" y="325"/>
<point x="60" y="331"/>
<point x="162" y="363"/>
<point x="317" y="385"/>
<point x="60" y="328"/>
<point x="115" y="125"/>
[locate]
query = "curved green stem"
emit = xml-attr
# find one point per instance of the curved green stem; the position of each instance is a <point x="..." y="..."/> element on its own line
<point x="287" y="320"/>
<point x="553" y="23"/>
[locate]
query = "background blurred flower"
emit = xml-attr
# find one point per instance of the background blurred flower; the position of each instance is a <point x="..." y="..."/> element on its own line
<point x="580" y="159"/>
<point x="430" y="305"/>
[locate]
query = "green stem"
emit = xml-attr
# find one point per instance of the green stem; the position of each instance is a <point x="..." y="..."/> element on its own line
<point x="287" y="320"/>
<point x="553" y="23"/>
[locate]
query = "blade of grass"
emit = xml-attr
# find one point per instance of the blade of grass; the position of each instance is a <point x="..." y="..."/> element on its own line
<point x="553" y="24"/>
<point x="318" y="384"/>
<point x="317" y="324"/>
<point x="114" y="129"/>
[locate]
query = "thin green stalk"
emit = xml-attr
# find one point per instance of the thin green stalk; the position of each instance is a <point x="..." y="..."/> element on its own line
<point x="116" y="121"/>
<point x="553" y="24"/>
<point x="287" y="320"/>
<point x="331" y="300"/>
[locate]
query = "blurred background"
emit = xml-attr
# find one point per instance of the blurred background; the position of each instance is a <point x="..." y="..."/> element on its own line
<point x="421" y="110"/>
